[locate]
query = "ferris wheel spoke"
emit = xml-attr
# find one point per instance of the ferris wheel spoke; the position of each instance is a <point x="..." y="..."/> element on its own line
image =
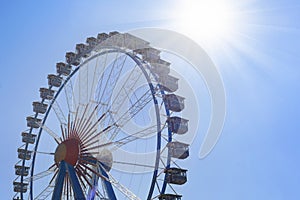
<point x="45" y="153"/>
<point x="84" y="84"/>
<point x="135" y="164"/>
<point x="82" y="173"/>
<point x="89" y="134"/>
<point x="100" y="195"/>
<point x="121" y="96"/>
<point x="95" y="74"/>
<point x="110" y="78"/>
<point x="73" y="123"/>
<point x="50" y="132"/>
<point x="59" y="113"/>
<point x="137" y="135"/>
<point x="78" y="125"/>
<point x="46" y="192"/>
<point x="123" y="141"/>
<point x="69" y="95"/>
<point x="90" y="147"/>
<point x="132" y="111"/>
<point x="100" y="81"/>
<point x="113" y="181"/>
<point x="63" y="131"/>
<point x="86" y="125"/>
<point x="127" y="87"/>
<point x="98" y="147"/>
<point x="120" y="187"/>
<point x="40" y="175"/>
<point x="95" y="136"/>
<point x="136" y="106"/>
<point x="85" y="165"/>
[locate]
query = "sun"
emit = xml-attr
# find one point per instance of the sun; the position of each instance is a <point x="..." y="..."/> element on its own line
<point x="207" y="21"/>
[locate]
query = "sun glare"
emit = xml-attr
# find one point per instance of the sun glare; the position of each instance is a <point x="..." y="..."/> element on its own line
<point x="209" y="21"/>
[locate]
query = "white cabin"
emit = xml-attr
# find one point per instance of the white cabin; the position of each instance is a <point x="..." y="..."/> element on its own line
<point x="46" y="93"/>
<point x="178" y="150"/>
<point x="168" y="83"/>
<point x="92" y="41"/>
<point x="20" y="187"/>
<point x="178" y="125"/>
<point x="161" y="67"/>
<point x="102" y="36"/>
<point x="149" y="54"/>
<point x="33" y="122"/>
<point x="21" y="171"/>
<point x="54" y="80"/>
<point x="169" y="197"/>
<point x="174" y="102"/>
<point x="71" y="58"/>
<point x="82" y="50"/>
<point x="23" y="154"/>
<point x="176" y="176"/>
<point x="63" y="68"/>
<point x="39" y="107"/>
<point x="28" y="137"/>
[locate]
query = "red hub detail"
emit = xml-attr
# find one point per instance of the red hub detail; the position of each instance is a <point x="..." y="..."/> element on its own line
<point x="68" y="151"/>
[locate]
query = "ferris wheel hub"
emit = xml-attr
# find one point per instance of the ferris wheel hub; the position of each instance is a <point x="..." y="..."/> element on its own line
<point x="68" y="151"/>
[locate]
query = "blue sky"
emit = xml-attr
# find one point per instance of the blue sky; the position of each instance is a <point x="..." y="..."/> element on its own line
<point x="257" y="156"/>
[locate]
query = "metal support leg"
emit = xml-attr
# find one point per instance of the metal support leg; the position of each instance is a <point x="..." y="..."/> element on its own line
<point x="59" y="183"/>
<point x="108" y="187"/>
<point x="75" y="182"/>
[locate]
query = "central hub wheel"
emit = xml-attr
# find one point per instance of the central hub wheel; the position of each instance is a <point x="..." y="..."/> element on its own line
<point x="68" y="151"/>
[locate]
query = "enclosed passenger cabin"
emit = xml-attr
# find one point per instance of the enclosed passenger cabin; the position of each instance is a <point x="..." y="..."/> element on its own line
<point x="169" y="197"/>
<point x="28" y="137"/>
<point x="178" y="150"/>
<point x="54" y="80"/>
<point x="81" y="50"/>
<point x="160" y="67"/>
<point x="71" y="58"/>
<point x="149" y="54"/>
<point x="46" y="93"/>
<point x="168" y="83"/>
<point x="112" y="33"/>
<point x="113" y="40"/>
<point x="132" y="42"/>
<point x="33" y="122"/>
<point x="91" y="41"/>
<point x="176" y="176"/>
<point x="178" y="125"/>
<point x="39" y="107"/>
<point x="63" y="68"/>
<point x="21" y="171"/>
<point x="23" y="154"/>
<point x="102" y="36"/>
<point x="20" y="187"/>
<point x="174" y="102"/>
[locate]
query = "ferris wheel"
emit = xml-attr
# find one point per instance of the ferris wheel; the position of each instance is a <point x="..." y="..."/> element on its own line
<point x="106" y="126"/>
